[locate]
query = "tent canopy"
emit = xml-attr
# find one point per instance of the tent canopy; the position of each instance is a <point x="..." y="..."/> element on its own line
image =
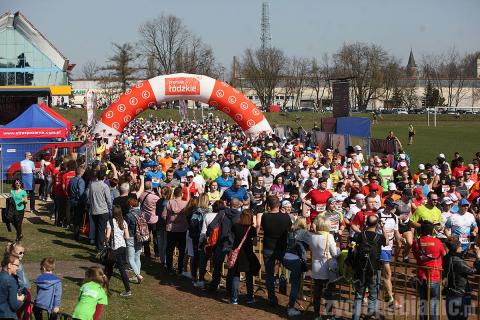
<point x="35" y="122"/>
<point x="56" y="115"/>
<point x="354" y="126"/>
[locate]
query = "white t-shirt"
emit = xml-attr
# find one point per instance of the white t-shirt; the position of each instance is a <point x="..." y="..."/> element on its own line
<point x="390" y="225"/>
<point x="243" y="175"/>
<point x="118" y="239"/>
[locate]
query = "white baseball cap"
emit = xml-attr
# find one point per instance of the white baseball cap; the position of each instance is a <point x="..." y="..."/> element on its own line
<point x="358" y="148"/>
<point x="421" y="166"/>
<point x="226" y="169"/>
<point x="359" y="196"/>
<point x="402" y="156"/>
<point x="441" y="156"/>
<point x="392" y="186"/>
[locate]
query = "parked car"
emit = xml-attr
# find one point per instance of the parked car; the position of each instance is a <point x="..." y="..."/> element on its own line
<point x="54" y="148"/>
<point x="401" y="111"/>
<point x="307" y="109"/>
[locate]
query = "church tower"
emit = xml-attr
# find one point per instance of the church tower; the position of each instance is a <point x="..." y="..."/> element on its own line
<point x="411" y="66"/>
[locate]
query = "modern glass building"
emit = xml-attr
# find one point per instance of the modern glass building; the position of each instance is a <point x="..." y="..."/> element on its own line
<point x="31" y="68"/>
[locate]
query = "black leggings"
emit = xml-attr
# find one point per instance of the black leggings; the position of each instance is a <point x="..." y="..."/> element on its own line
<point x="17" y="223"/>
<point x="322" y="286"/>
<point x="179" y="240"/>
<point x="120" y="255"/>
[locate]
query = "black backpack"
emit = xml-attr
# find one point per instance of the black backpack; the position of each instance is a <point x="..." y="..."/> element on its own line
<point x="365" y="256"/>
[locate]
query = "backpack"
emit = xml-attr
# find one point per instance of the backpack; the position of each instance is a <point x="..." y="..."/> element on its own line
<point x="142" y="233"/>
<point x="195" y="224"/>
<point x="212" y="239"/>
<point x="365" y="256"/>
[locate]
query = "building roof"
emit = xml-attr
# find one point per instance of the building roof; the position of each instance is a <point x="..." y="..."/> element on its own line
<point x="23" y="26"/>
<point x="411" y="61"/>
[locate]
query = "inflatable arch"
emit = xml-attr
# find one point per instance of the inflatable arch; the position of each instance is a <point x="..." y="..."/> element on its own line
<point x="182" y="86"/>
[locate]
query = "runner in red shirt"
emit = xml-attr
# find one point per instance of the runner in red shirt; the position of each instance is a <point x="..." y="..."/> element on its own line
<point x="428" y="252"/>
<point x="318" y="199"/>
<point x="358" y="222"/>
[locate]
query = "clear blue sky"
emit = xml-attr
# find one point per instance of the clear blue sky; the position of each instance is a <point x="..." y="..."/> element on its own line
<point x="84" y="30"/>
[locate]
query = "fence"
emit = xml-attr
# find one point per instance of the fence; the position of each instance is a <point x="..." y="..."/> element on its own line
<point x="10" y="156"/>
<point x="404" y="284"/>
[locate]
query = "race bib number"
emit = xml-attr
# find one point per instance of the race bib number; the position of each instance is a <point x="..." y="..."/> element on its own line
<point x="464" y="239"/>
<point x="183" y="179"/>
<point x="445" y="188"/>
<point x="155" y="180"/>
<point x="320" y="207"/>
<point x="334" y="226"/>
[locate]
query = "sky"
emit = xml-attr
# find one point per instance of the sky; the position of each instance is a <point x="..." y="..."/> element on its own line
<point x="83" y="30"/>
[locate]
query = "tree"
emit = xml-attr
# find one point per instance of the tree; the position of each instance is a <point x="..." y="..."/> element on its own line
<point x="90" y="70"/>
<point x="170" y="47"/>
<point x="120" y="69"/>
<point x="366" y="63"/>
<point x="318" y="76"/>
<point x="432" y="96"/>
<point x="295" y="79"/>
<point x="447" y="73"/>
<point x="409" y="89"/>
<point x="263" y="70"/>
<point x="163" y="38"/>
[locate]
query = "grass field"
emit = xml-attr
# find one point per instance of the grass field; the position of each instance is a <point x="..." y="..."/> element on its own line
<point x="449" y="136"/>
<point x="159" y="296"/>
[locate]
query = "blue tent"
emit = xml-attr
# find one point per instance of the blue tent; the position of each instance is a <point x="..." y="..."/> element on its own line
<point x="35" y="117"/>
<point x="354" y="126"/>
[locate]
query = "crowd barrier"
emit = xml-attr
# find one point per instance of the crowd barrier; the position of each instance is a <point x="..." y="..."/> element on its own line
<point x="404" y="283"/>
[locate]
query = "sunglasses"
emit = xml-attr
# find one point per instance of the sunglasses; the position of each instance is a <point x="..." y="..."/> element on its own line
<point x="16" y="265"/>
<point x="21" y="252"/>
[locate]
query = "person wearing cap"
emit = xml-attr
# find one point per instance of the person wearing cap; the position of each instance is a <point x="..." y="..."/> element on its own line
<point x="418" y="198"/>
<point x="391" y="193"/>
<point x="428" y="212"/>
<point x="441" y="182"/>
<point x="211" y="171"/>
<point x="463" y="225"/>
<point x="289" y="179"/>
<point x="385" y="174"/>
<point x="155" y="175"/>
<point x="359" y="205"/>
<point x="359" y="154"/>
<point x="190" y="188"/>
<point x="423" y="184"/>
<point x="416" y="175"/>
<point x="428" y="252"/>
<point x="181" y="172"/>
<point x="316" y="199"/>
<point x="225" y="181"/>
<point x="166" y="162"/>
<point x="334" y="215"/>
<point x="374" y="192"/>
<point x="388" y="221"/>
<point x="270" y="150"/>
<point x="244" y="174"/>
<point x="457" y="272"/>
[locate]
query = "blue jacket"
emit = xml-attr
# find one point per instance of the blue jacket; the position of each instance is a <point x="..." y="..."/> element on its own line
<point x="22" y="279"/>
<point x="8" y="296"/>
<point x="49" y="291"/>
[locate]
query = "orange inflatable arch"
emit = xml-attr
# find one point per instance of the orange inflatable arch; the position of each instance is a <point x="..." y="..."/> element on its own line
<point x="182" y="86"/>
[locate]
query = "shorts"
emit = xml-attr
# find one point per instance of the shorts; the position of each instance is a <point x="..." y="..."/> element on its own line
<point x="403" y="228"/>
<point x="386" y="256"/>
<point x="411" y="134"/>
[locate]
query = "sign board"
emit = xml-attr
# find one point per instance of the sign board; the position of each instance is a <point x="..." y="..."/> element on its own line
<point x="341" y="98"/>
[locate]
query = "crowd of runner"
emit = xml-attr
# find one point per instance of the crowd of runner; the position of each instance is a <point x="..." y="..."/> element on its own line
<point x="212" y="194"/>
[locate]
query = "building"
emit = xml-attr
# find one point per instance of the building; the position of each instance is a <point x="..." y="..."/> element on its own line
<point x="31" y="68"/>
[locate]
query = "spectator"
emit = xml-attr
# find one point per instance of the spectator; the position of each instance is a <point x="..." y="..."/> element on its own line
<point x="10" y="299"/>
<point x="275" y="231"/>
<point x="19" y="197"/>
<point x="49" y="291"/>
<point x="428" y="252"/>
<point x="100" y="207"/>
<point x="93" y="295"/>
<point x="148" y="201"/>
